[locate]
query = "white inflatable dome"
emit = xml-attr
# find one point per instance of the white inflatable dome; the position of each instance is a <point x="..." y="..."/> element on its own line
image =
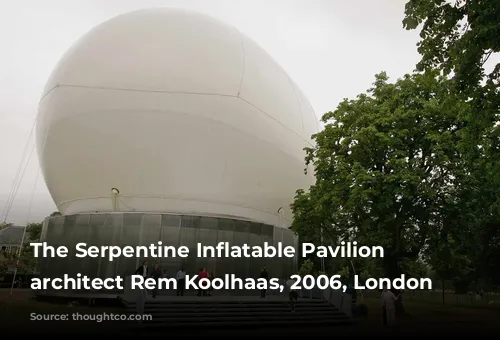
<point x="178" y="111"/>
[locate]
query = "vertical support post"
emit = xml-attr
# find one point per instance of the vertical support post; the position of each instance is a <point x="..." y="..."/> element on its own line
<point x="24" y="235"/>
<point x="322" y="259"/>
<point x="114" y="198"/>
<point x="115" y="208"/>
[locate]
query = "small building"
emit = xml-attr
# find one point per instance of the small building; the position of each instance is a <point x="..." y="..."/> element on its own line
<point x="11" y="238"/>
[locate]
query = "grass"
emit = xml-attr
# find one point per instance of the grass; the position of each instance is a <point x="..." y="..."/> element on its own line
<point x="489" y="301"/>
<point x="432" y="318"/>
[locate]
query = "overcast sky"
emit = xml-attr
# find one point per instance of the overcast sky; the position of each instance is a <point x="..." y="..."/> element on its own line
<point x="331" y="48"/>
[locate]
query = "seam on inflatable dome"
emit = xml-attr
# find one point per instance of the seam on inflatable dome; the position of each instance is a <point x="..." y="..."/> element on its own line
<point x="211" y="118"/>
<point x="244" y="60"/>
<point x="298" y="101"/>
<point x="185" y="93"/>
<point x="135" y="90"/>
<point x="277" y="121"/>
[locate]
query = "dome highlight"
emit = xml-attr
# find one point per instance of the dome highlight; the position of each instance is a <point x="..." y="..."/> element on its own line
<point x="178" y="113"/>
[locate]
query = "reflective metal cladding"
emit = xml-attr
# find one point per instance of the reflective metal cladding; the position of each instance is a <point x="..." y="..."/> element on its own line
<point x="131" y="229"/>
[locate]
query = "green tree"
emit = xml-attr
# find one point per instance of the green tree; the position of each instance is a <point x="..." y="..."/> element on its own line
<point x="26" y="264"/>
<point x="5" y="259"/>
<point x="307" y="268"/>
<point x="34" y="231"/>
<point x="3" y="264"/>
<point x="4" y="225"/>
<point x="368" y="268"/>
<point x="458" y="38"/>
<point x="450" y="260"/>
<point x="384" y="164"/>
<point x="27" y="260"/>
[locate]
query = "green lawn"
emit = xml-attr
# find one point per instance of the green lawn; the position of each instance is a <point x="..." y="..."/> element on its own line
<point x="430" y="316"/>
<point x="490" y="301"/>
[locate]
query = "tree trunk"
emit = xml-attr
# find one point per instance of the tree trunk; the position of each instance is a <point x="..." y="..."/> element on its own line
<point x="351" y="273"/>
<point x="443" y="296"/>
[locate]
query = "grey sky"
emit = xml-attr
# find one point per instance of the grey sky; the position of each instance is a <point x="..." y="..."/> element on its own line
<point x="331" y="48"/>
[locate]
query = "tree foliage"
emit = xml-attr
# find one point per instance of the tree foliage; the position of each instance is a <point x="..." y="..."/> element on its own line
<point x="34" y="231"/>
<point x="414" y="165"/>
<point x="307" y="268"/>
<point x="458" y="38"/>
<point x="26" y="264"/>
<point x="4" y="225"/>
<point x="384" y="167"/>
<point x="27" y="260"/>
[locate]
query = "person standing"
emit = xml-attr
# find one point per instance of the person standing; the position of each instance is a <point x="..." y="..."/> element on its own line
<point x="156" y="274"/>
<point x="293" y="294"/>
<point x="181" y="281"/>
<point x="143" y="271"/>
<point x="387" y="300"/>
<point x="264" y="275"/>
<point x="202" y="275"/>
<point x="211" y="278"/>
